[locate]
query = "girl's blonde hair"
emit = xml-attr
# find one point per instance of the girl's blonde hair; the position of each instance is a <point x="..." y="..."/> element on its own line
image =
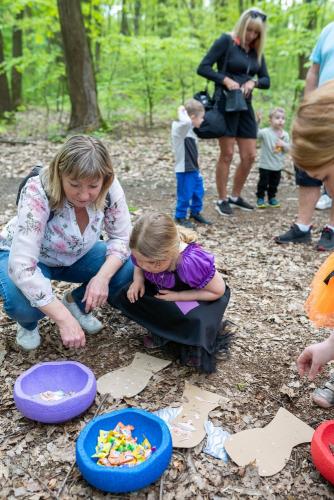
<point x="250" y="18"/>
<point x="312" y="130"/>
<point x="157" y="237"/>
<point x="81" y="157"/>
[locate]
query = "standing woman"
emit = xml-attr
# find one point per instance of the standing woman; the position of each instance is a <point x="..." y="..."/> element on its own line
<point x="56" y="236"/>
<point x="240" y="65"/>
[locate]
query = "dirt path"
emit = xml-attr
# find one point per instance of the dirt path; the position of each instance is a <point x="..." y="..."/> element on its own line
<point x="269" y="285"/>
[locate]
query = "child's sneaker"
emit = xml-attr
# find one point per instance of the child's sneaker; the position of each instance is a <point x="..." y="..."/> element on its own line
<point x="200" y="219"/>
<point x="184" y="222"/>
<point x="87" y="322"/>
<point x="27" y="339"/>
<point x="274" y="203"/>
<point x="261" y="203"/>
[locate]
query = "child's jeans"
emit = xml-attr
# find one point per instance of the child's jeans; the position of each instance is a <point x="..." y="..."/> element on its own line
<point x="268" y="181"/>
<point x="189" y="193"/>
<point x="18" y="307"/>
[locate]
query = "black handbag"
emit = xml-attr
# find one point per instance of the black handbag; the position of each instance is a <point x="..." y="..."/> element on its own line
<point x="235" y="101"/>
<point x="204" y="97"/>
<point x="213" y="126"/>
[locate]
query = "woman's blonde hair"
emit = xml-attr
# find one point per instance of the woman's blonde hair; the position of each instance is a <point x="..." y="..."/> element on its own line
<point x="254" y="18"/>
<point x="157" y="237"/>
<point x="81" y="157"/>
<point x="312" y="130"/>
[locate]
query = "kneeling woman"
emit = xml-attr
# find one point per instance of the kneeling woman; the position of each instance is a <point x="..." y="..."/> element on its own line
<point x="55" y="236"/>
<point x="176" y="293"/>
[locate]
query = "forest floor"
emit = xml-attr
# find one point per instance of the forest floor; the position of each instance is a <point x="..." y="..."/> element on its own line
<point x="269" y="285"/>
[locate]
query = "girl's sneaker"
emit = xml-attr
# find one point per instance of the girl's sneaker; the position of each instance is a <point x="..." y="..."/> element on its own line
<point x="274" y="203"/>
<point x="27" y="339"/>
<point x="261" y="203"/>
<point x="88" y="322"/>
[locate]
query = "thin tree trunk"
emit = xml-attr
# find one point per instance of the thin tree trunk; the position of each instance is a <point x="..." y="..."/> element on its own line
<point x="5" y="100"/>
<point x="85" y="113"/>
<point x="124" y="20"/>
<point x="136" y="21"/>
<point x="17" y="51"/>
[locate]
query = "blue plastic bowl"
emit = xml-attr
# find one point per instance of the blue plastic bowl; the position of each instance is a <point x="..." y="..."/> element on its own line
<point x="125" y="479"/>
<point x="70" y="376"/>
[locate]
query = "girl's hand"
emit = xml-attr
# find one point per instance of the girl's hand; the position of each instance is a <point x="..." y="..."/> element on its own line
<point x="136" y="290"/>
<point x="230" y="84"/>
<point x="96" y="294"/>
<point x="248" y="87"/>
<point x="168" y="295"/>
<point x="71" y="333"/>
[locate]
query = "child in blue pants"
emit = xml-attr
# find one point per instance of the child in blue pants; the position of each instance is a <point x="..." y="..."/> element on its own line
<point x="189" y="181"/>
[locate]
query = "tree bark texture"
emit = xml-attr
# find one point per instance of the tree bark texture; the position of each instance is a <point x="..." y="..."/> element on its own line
<point x="85" y="113"/>
<point x="5" y="99"/>
<point x="16" y="75"/>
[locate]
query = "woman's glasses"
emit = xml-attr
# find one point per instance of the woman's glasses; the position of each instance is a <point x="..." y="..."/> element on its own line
<point x="255" y="13"/>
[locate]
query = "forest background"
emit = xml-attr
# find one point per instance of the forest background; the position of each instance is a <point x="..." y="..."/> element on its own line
<point x="95" y="64"/>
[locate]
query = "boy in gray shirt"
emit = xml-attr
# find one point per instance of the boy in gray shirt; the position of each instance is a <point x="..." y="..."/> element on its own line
<point x="189" y="181"/>
<point x="274" y="147"/>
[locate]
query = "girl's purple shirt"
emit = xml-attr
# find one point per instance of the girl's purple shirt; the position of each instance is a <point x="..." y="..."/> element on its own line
<point x="195" y="267"/>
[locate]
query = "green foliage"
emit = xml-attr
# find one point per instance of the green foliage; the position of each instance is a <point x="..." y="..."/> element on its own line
<point x="145" y="74"/>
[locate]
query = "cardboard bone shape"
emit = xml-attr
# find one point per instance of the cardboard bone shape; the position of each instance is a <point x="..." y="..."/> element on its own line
<point x="131" y="380"/>
<point x="271" y="446"/>
<point x="188" y="427"/>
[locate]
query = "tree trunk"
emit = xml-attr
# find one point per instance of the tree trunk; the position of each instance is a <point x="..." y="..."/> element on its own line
<point x="136" y="20"/>
<point x="5" y="100"/>
<point x="85" y="113"/>
<point x="124" y="20"/>
<point x="17" y="52"/>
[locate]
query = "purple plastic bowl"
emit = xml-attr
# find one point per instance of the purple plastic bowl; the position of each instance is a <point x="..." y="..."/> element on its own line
<point x="69" y="376"/>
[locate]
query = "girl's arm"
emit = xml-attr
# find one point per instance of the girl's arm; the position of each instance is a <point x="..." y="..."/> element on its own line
<point x="137" y="287"/>
<point x="212" y="291"/>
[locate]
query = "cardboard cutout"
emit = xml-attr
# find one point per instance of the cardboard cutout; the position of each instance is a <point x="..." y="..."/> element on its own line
<point x="131" y="380"/>
<point x="271" y="446"/>
<point x="188" y="427"/>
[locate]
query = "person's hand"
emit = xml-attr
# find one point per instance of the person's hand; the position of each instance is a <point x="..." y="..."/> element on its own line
<point x="230" y="84"/>
<point x="314" y="357"/>
<point x="280" y="143"/>
<point x="259" y="116"/>
<point x="248" y="88"/>
<point x="168" y="295"/>
<point x="136" y="290"/>
<point x="96" y="294"/>
<point x="72" y="335"/>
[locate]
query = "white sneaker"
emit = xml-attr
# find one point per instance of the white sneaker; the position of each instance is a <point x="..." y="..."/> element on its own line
<point x="87" y="321"/>
<point x="28" y="339"/>
<point x="324" y="202"/>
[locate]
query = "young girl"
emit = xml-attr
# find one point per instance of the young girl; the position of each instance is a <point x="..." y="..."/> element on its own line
<point x="176" y="293"/>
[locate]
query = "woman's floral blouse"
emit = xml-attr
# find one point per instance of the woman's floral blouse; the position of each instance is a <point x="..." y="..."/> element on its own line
<point x="32" y="238"/>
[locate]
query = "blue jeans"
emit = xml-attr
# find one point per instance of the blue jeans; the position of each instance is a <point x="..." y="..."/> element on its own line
<point x="189" y="193"/>
<point x="18" y="307"/>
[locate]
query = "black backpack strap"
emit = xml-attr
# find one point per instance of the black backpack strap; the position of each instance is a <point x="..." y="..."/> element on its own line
<point x="36" y="170"/>
<point x="33" y="173"/>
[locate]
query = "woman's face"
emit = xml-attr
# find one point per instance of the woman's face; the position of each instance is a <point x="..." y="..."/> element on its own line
<point x="81" y="192"/>
<point x="252" y="33"/>
<point x="150" y="265"/>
